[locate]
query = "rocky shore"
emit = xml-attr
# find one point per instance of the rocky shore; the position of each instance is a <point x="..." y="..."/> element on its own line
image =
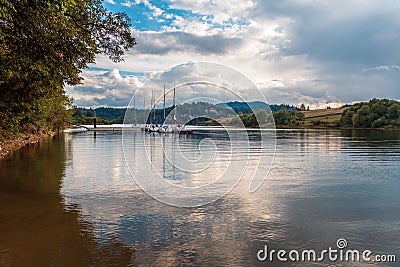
<point x="12" y="142"/>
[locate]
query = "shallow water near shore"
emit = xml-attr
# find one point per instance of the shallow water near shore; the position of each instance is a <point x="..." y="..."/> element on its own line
<point x="71" y="201"/>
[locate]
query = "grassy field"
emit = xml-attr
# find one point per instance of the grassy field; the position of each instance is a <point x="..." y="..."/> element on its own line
<point x="322" y="117"/>
<point x="318" y="118"/>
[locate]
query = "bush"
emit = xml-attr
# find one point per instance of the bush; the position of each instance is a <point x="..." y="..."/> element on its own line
<point x="375" y="113"/>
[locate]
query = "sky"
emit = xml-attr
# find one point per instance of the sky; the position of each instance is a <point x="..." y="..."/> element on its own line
<point x="320" y="53"/>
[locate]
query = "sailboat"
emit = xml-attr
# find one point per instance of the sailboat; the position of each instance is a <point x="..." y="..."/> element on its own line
<point x="135" y="124"/>
<point x="165" y="128"/>
<point x="176" y="126"/>
<point x="143" y="127"/>
<point x="153" y="127"/>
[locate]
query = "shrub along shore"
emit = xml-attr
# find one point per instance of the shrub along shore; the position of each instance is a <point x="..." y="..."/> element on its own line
<point x="11" y="142"/>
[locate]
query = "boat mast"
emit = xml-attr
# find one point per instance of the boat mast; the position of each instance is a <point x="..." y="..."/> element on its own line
<point x="173" y="106"/>
<point x="134" y="110"/>
<point x="151" y="110"/>
<point x="144" y="110"/>
<point x="164" y="105"/>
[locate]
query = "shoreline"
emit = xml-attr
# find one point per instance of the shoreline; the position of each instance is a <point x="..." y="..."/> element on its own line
<point x="12" y="142"/>
<point x="332" y="128"/>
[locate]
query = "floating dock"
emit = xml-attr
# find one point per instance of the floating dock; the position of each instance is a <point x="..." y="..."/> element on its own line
<point x="122" y="127"/>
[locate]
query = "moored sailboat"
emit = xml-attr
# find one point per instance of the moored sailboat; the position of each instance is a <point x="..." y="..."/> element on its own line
<point x="176" y="126"/>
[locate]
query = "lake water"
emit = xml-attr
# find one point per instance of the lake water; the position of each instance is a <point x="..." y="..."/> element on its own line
<point x="71" y="201"/>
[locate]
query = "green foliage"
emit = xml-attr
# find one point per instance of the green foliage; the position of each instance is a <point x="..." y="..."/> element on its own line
<point x="249" y="120"/>
<point x="282" y="117"/>
<point x="49" y="114"/>
<point x="347" y="117"/>
<point x="286" y="118"/>
<point x="376" y="113"/>
<point x="393" y="112"/>
<point x="43" y="46"/>
<point x="316" y="122"/>
<point x="379" y="122"/>
<point x="364" y="115"/>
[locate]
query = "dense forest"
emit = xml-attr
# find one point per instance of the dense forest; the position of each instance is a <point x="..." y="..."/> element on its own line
<point x="44" y="45"/>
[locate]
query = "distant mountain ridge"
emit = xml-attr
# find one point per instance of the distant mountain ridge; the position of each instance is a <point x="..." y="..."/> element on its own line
<point x="248" y="107"/>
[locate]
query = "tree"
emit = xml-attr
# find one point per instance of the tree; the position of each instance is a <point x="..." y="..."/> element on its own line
<point x="261" y="116"/>
<point x="378" y="110"/>
<point x="364" y="116"/>
<point x="394" y="111"/>
<point x="297" y="115"/>
<point x="376" y="113"/>
<point x="282" y="117"/>
<point x="77" y="112"/>
<point x="45" y="44"/>
<point x="379" y="123"/>
<point x="356" y="120"/>
<point x="347" y="117"/>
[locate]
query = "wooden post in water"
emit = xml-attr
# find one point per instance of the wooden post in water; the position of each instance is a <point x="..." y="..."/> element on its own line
<point x="94" y="122"/>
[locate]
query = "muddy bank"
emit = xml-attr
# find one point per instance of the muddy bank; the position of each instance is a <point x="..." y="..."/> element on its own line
<point x="12" y="142"/>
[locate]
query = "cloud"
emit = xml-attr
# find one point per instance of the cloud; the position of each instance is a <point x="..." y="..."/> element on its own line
<point x="127" y="3"/>
<point x="310" y="92"/>
<point x="221" y="11"/>
<point x="161" y="43"/>
<point x="296" y="51"/>
<point x="347" y="33"/>
<point x="336" y="40"/>
<point x="156" y="11"/>
<point x="383" y="68"/>
<point x="104" y="88"/>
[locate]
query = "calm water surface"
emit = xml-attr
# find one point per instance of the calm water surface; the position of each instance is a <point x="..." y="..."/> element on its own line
<point x="71" y="201"/>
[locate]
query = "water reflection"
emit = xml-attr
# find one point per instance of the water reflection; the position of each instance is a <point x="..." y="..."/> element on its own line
<point x="73" y="202"/>
<point x="37" y="228"/>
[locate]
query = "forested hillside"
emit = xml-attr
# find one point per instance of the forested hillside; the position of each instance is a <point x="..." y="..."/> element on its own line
<point x="186" y="112"/>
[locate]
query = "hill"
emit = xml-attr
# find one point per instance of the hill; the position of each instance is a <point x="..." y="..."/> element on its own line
<point x="249" y="107"/>
<point x="323" y="117"/>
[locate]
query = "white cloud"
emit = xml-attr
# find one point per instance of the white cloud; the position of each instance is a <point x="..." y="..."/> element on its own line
<point x="104" y="88"/>
<point x="296" y="51"/>
<point x="111" y="2"/>
<point x="383" y="68"/>
<point x="127" y="3"/>
<point x="221" y="10"/>
<point x="156" y="10"/>
<point x="168" y="16"/>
